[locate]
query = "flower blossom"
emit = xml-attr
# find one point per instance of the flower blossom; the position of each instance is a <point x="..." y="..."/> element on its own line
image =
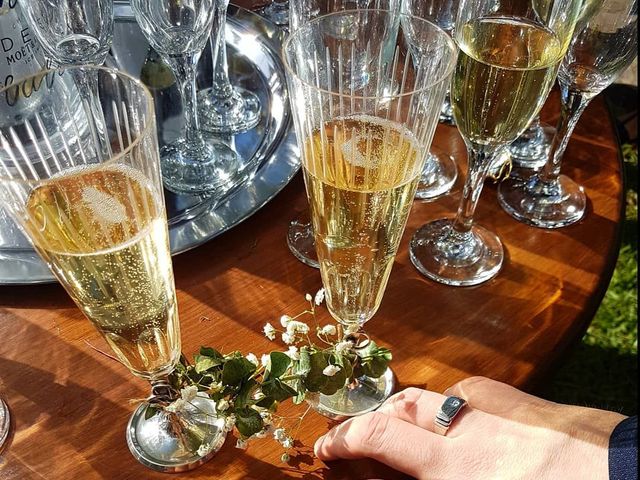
<point x="176" y="406"/>
<point x="328" y="330"/>
<point x="308" y="297"/>
<point x="294" y="327"/>
<point x="189" y="393"/>
<point x="264" y="360"/>
<point x="279" y="434"/>
<point x="229" y="422"/>
<point x="269" y="331"/>
<point x="343" y="346"/>
<point x="241" y="444"/>
<point x="319" y="298"/>
<point x="222" y="405"/>
<point x="288" y="338"/>
<point x="293" y="353"/>
<point x="252" y="358"/>
<point x="284" y="320"/>
<point x="330" y="370"/>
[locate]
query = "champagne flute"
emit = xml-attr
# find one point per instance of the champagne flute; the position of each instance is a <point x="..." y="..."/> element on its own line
<point x="101" y="227"/>
<point x="604" y="45"/>
<point x="300" y="233"/>
<point x="440" y="170"/>
<point x="362" y="153"/>
<point x="178" y="30"/>
<point x="225" y="108"/>
<point x="507" y="64"/>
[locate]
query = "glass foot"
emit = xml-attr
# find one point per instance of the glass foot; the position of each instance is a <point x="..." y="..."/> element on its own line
<point x="531" y="150"/>
<point x="301" y="242"/>
<point x="176" y="442"/>
<point x="438" y="175"/>
<point x="5" y="422"/>
<point x="199" y="166"/>
<point x="277" y="12"/>
<point x="541" y="204"/>
<point x="364" y="395"/>
<point x="459" y="259"/>
<point x="239" y="113"/>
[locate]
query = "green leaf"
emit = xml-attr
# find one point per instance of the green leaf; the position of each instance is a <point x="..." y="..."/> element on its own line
<point x="301" y="367"/>
<point x="278" y="390"/>
<point x="243" y="398"/>
<point x="150" y="412"/>
<point x="248" y="421"/>
<point x="236" y="370"/>
<point x="339" y="380"/>
<point x="211" y="352"/>
<point x="374" y="360"/>
<point x="266" y="402"/>
<point x="315" y="379"/>
<point x="278" y="364"/>
<point x="204" y="363"/>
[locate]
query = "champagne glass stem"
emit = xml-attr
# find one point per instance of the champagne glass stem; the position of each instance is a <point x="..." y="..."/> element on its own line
<point x="573" y="104"/>
<point x="480" y="161"/>
<point x="222" y="87"/>
<point x="162" y="391"/>
<point x="184" y="71"/>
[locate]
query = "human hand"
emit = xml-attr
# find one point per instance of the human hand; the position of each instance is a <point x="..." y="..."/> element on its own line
<point x="501" y="433"/>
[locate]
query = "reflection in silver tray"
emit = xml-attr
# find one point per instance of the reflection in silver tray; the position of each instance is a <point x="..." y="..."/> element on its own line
<point x="269" y="151"/>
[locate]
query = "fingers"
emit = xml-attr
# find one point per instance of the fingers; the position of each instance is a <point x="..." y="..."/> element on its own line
<point x="394" y="442"/>
<point x="419" y="407"/>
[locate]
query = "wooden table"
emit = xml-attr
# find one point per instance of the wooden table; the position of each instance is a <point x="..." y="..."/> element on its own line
<point x="70" y="404"/>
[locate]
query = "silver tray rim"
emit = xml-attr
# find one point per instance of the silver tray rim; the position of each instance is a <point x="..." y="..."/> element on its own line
<point x="240" y="204"/>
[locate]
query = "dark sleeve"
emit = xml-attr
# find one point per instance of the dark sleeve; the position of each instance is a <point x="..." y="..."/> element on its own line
<point x="623" y="450"/>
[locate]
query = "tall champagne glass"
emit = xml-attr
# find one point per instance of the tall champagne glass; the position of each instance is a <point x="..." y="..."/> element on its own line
<point x="300" y="233"/>
<point x="363" y="149"/>
<point x="225" y="108"/>
<point x="178" y="30"/>
<point x="604" y="45"/>
<point x="440" y="169"/>
<point x="100" y="225"/>
<point x="507" y="64"/>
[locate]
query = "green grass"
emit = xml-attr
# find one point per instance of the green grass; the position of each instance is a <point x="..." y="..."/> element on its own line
<point x="602" y="371"/>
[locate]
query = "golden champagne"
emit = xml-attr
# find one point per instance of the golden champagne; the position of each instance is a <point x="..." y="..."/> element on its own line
<point x="103" y="232"/>
<point x="361" y="175"/>
<point x="505" y="69"/>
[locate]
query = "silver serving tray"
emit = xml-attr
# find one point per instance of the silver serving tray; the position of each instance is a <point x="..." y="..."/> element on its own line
<point x="269" y="151"/>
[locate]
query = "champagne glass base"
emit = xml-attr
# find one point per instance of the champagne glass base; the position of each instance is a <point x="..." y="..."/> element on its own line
<point x="542" y="204"/>
<point x="200" y="166"/>
<point x="301" y="242"/>
<point x="532" y="152"/>
<point x="239" y="113"/>
<point x="443" y="255"/>
<point x="438" y="176"/>
<point x="364" y="395"/>
<point x="5" y="422"/>
<point x="178" y="442"/>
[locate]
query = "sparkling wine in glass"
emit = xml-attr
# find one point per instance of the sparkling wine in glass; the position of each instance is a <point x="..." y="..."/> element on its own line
<point x="300" y="238"/>
<point x="101" y="227"/>
<point x="604" y="45"/>
<point x="225" y="108"/>
<point x="196" y="163"/>
<point x="506" y="67"/>
<point x="362" y="153"/>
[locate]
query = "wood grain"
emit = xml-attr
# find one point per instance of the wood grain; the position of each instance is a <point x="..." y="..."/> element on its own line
<point x="70" y="404"/>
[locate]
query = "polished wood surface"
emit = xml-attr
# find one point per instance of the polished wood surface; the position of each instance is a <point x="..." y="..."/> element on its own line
<point x="70" y="404"/>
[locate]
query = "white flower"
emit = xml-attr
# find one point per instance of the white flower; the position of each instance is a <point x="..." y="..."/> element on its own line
<point x="189" y="393"/>
<point x="216" y="387"/>
<point x="284" y="320"/>
<point x="269" y="331"/>
<point x="319" y="298"/>
<point x="287" y="442"/>
<point x="204" y="449"/>
<point x="328" y="330"/>
<point x="351" y="329"/>
<point x="288" y="339"/>
<point x="229" y="422"/>
<point x="330" y="370"/>
<point x="279" y="434"/>
<point x="308" y="297"/>
<point x="177" y="406"/>
<point x="294" y="327"/>
<point x="343" y="347"/>
<point x="241" y="444"/>
<point x="267" y="419"/>
<point x="293" y="353"/>
<point x="252" y="358"/>
<point x="285" y="458"/>
<point x="262" y="433"/>
<point x="264" y="360"/>
<point x="222" y="405"/>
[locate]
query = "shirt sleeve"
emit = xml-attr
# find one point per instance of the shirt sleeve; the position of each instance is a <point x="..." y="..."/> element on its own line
<point x="623" y="450"/>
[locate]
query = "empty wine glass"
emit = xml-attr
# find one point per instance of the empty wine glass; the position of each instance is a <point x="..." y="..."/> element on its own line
<point x="604" y="45"/>
<point x="72" y="32"/>
<point x="178" y="31"/>
<point x="101" y="227"/>
<point x="440" y="169"/>
<point x="225" y="108"/>
<point x="300" y="239"/>
<point x="507" y="62"/>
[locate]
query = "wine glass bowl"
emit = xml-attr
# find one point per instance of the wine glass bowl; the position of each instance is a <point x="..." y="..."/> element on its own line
<point x="363" y="149"/>
<point x="100" y="225"/>
<point x="603" y="46"/>
<point x="72" y="32"/>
